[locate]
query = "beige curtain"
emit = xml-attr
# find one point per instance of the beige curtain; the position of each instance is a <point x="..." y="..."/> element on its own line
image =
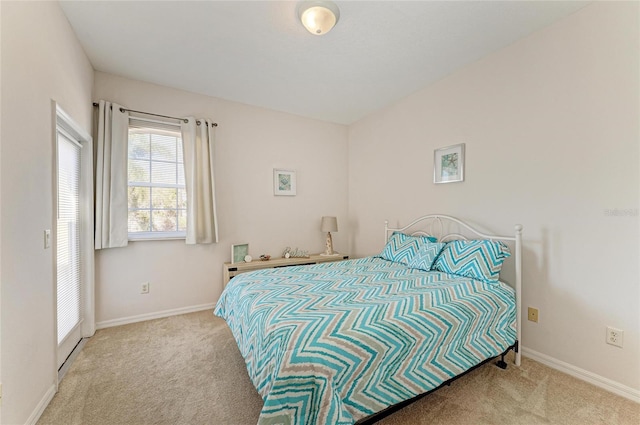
<point x="111" y="176"/>
<point x="198" y="137"/>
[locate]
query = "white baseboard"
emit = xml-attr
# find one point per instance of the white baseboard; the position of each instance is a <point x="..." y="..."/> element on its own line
<point x="44" y="402"/>
<point x="584" y="375"/>
<point x="156" y="315"/>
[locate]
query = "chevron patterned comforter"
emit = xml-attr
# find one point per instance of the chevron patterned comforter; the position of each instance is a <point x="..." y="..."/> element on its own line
<point x="333" y="343"/>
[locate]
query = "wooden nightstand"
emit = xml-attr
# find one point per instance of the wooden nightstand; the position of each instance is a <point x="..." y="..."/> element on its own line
<point x="229" y="270"/>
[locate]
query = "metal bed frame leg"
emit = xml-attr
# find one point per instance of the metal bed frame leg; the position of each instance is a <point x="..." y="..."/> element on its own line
<point x="515" y="347"/>
<point x="501" y="363"/>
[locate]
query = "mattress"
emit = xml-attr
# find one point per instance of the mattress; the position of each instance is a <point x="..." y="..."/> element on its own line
<point x="336" y="342"/>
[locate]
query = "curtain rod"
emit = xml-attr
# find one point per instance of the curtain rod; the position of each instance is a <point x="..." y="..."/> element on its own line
<point x="215" y="124"/>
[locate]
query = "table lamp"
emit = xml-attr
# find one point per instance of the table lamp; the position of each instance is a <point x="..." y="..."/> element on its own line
<point x="329" y="224"/>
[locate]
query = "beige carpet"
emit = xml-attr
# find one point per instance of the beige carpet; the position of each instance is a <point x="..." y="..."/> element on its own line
<point x="188" y="370"/>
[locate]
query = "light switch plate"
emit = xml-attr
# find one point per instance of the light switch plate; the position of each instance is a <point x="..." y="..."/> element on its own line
<point x="47" y="239"/>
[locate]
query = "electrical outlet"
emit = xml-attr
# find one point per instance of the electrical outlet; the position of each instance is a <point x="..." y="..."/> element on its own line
<point x="533" y="314"/>
<point x="144" y="288"/>
<point x="615" y="336"/>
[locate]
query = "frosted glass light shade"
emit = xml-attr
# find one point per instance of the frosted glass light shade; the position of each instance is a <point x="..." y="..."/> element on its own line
<point x="318" y="17"/>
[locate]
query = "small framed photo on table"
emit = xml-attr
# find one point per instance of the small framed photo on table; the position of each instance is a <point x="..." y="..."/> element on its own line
<point x="239" y="252"/>
<point x="448" y="164"/>
<point x="284" y="182"/>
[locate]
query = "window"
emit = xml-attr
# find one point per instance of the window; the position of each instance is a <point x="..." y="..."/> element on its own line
<point x="157" y="196"/>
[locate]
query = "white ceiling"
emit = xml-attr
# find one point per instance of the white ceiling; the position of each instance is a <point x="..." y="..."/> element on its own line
<point x="259" y="53"/>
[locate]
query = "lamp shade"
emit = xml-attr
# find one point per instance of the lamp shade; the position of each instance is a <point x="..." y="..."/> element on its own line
<point x="329" y="224"/>
<point x="318" y="17"/>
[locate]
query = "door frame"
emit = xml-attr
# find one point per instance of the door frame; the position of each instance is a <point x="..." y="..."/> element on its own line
<point x="87" y="271"/>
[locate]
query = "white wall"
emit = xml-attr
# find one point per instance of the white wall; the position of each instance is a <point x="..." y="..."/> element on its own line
<point x="41" y="61"/>
<point x="551" y="131"/>
<point x="251" y="142"/>
<point x="0" y="225"/>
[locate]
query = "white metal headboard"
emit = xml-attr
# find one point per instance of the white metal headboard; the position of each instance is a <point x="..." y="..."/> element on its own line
<point x="439" y="226"/>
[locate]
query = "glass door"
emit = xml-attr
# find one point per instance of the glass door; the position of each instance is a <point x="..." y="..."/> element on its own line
<point x="68" y="262"/>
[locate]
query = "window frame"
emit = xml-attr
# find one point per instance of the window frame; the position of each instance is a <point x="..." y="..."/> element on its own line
<point x="166" y="126"/>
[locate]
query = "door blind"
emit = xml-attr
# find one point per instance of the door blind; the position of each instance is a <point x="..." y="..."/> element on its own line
<point x="68" y="235"/>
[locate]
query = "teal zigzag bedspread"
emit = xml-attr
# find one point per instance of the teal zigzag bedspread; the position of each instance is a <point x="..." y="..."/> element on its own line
<point x="333" y="343"/>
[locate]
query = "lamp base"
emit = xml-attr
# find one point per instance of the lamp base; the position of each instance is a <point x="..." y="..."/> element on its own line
<point x="324" y="254"/>
<point x="329" y="246"/>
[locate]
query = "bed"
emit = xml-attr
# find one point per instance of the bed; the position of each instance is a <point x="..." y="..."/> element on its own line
<point x="348" y="342"/>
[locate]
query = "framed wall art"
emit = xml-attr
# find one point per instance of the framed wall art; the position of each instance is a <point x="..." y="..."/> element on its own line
<point x="448" y="164"/>
<point x="284" y="182"/>
<point x="238" y="252"/>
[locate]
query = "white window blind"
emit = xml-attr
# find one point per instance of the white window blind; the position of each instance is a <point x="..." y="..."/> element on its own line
<point x="68" y="236"/>
<point x="157" y="196"/>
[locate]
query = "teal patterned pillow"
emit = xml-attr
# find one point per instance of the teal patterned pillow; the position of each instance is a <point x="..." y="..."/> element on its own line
<point x="424" y="258"/>
<point x="401" y="248"/>
<point x="478" y="259"/>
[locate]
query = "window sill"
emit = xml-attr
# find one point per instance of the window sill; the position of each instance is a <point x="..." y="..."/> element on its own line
<point x="140" y="237"/>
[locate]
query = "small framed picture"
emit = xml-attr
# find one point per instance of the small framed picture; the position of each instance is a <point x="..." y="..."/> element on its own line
<point x="448" y="164"/>
<point x="238" y="252"/>
<point x="284" y="182"/>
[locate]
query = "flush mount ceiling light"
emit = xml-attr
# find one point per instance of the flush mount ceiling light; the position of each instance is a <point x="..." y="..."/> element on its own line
<point x="318" y="17"/>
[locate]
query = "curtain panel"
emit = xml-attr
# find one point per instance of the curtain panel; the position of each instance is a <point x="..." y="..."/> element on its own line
<point x="198" y="141"/>
<point x="111" y="176"/>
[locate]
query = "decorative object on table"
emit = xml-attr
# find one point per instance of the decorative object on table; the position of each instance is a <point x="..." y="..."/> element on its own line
<point x="238" y="252"/>
<point x="284" y="182"/>
<point x="265" y="257"/>
<point x="448" y="164"/>
<point x="294" y="253"/>
<point x="248" y="258"/>
<point x="328" y="225"/>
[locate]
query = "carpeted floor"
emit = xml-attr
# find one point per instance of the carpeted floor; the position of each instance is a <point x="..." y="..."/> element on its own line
<point x="187" y="370"/>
